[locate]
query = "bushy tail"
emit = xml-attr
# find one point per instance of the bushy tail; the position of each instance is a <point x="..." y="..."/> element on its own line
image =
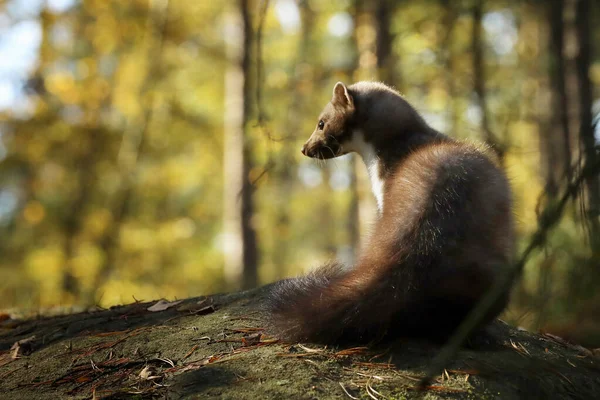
<point x="327" y="305"/>
<point x="334" y="305"/>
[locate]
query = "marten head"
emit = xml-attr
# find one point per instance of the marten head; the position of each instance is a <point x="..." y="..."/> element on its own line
<point x="334" y="126"/>
<point x="371" y="119"/>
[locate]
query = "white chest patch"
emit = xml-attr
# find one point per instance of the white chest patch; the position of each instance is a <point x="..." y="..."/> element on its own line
<point x="372" y="162"/>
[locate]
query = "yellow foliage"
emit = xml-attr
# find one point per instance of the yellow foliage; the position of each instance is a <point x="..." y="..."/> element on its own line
<point x="135" y="238"/>
<point x="277" y="79"/>
<point x="86" y="263"/>
<point x="36" y="150"/>
<point x="97" y="222"/>
<point x="44" y="266"/>
<point x="414" y="43"/>
<point x="34" y="212"/>
<point x="130" y="75"/>
<point x="437" y="99"/>
<point x="595" y="74"/>
<point x="63" y="86"/>
<point x="103" y="37"/>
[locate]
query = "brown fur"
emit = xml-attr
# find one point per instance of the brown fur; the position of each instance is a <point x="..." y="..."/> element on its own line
<point x="442" y="237"/>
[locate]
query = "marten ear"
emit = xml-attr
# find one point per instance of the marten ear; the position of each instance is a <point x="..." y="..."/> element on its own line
<point x="341" y="96"/>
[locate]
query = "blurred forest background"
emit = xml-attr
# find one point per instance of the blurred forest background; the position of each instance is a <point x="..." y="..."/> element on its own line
<point x="150" y="148"/>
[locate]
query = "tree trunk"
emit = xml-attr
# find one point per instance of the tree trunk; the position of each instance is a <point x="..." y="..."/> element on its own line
<point x="555" y="141"/>
<point x="356" y="206"/>
<point x="479" y="78"/>
<point x="447" y="56"/>
<point x="586" y="128"/>
<point x="287" y="164"/>
<point x="241" y="253"/>
<point x="386" y="61"/>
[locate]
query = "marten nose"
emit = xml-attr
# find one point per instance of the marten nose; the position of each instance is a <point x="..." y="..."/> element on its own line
<point x="303" y="149"/>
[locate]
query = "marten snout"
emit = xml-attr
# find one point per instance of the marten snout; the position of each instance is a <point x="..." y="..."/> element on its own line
<point x="309" y="151"/>
<point x="321" y="148"/>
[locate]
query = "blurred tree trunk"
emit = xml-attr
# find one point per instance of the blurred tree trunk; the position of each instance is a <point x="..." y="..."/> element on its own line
<point x="241" y="253"/>
<point x="85" y="166"/>
<point x="386" y="60"/>
<point x="287" y="164"/>
<point x="354" y="205"/>
<point x="555" y="139"/>
<point x="479" y="78"/>
<point x="586" y="128"/>
<point x="449" y="21"/>
<point x="377" y="16"/>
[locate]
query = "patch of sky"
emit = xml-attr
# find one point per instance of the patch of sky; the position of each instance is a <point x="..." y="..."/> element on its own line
<point x="339" y="180"/>
<point x="19" y="47"/>
<point x="474" y="114"/>
<point x="340" y="172"/>
<point x="20" y="39"/>
<point x="288" y="15"/>
<point x="427" y="56"/>
<point x="61" y="35"/>
<point x="501" y="30"/>
<point x="596" y="119"/>
<point x="60" y="6"/>
<point x="310" y="174"/>
<point x="8" y="205"/>
<point x="437" y="120"/>
<point x="20" y="9"/>
<point x="340" y="24"/>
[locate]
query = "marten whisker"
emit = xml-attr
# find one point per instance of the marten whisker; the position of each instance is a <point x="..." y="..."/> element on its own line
<point x="333" y="153"/>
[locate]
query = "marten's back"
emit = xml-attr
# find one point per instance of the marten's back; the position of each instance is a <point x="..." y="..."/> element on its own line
<point x="450" y="187"/>
<point x="446" y="233"/>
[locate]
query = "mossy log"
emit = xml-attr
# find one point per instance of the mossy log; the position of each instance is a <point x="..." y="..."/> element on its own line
<point x="214" y="347"/>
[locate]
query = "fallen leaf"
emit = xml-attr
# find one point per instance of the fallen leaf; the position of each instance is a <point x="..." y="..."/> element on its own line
<point x="162" y="305"/>
<point x="149" y="373"/>
<point x="22" y="347"/>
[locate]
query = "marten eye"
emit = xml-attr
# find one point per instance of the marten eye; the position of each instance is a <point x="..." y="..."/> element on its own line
<point x="321" y="124"/>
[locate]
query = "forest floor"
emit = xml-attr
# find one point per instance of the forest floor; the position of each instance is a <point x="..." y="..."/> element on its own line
<point x="213" y="347"/>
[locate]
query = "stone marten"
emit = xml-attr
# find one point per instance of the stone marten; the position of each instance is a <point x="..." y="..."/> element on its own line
<point x="443" y="233"/>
